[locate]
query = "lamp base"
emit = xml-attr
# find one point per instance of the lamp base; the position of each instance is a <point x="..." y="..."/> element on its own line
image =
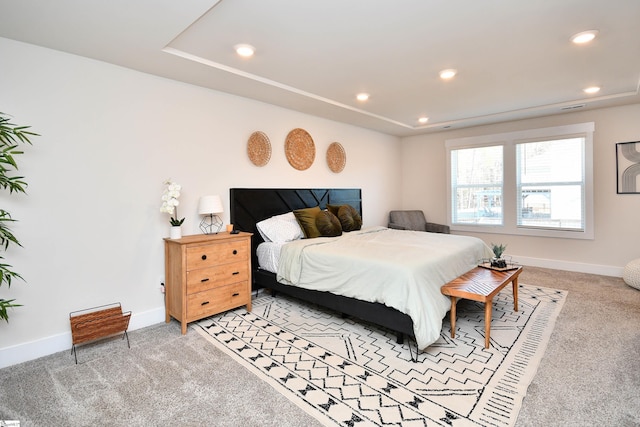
<point x="211" y="224"/>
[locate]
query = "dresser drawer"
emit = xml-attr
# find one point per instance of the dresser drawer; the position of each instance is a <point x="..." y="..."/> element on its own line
<point x="206" y="274"/>
<point x="220" y="253"/>
<point x="216" y="300"/>
<point x="225" y="274"/>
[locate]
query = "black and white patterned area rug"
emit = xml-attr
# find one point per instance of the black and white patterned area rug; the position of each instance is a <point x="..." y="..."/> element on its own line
<point x="350" y="373"/>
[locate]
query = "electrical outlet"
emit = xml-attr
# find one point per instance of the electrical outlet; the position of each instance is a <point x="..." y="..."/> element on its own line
<point x="162" y="288"/>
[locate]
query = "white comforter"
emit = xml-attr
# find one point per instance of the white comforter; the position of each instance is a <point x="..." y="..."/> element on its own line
<point x="401" y="269"/>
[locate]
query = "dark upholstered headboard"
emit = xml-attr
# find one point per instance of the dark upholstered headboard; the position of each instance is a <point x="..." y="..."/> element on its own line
<point x="251" y="205"/>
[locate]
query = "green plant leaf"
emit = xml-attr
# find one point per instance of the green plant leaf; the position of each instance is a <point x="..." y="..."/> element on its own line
<point x="498" y="250"/>
<point x="11" y="136"/>
<point x="6" y="235"/>
<point x="176" y="222"/>
<point x="4" y="304"/>
<point x="7" y="275"/>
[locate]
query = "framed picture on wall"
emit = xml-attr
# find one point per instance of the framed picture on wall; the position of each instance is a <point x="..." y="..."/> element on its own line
<point x="628" y="167"/>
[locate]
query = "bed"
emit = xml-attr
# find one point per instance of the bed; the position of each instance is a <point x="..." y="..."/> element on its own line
<point x="250" y="206"/>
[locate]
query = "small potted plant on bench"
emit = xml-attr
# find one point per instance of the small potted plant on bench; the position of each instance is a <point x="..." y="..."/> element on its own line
<point x="497" y="261"/>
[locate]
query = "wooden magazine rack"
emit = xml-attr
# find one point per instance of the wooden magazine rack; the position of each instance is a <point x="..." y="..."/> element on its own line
<point x="96" y="323"/>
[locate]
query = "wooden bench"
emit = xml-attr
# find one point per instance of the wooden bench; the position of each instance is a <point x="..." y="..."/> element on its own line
<point x="481" y="284"/>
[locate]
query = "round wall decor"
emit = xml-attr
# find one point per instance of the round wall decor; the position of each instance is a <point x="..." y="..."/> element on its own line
<point x="259" y="148"/>
<point x="336" y="157"/>
<point x="300" y="149"/>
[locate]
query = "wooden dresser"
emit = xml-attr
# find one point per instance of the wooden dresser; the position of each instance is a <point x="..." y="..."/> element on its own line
<point x="206" y="274"/>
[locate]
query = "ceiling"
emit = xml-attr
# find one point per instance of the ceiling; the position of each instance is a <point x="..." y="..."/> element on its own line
<point x="514" y="57"/>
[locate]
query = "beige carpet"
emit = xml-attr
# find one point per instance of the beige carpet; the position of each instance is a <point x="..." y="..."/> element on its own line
<point x="590" y="373"/>
<point x="588" y="376"/>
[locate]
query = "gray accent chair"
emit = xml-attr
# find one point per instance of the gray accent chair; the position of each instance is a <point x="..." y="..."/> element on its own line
<point x="414" y="220"/>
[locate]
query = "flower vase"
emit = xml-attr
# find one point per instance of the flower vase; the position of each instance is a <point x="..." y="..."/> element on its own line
<point x="176" y="232"/>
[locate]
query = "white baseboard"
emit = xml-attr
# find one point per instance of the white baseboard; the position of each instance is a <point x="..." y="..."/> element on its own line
<point x="60" y="342"/>
<point x="603" y="270"/>
<point x="55" y="343"/>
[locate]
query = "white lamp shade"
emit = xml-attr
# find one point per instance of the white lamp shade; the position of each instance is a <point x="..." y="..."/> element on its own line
<point x="210" y="205"/>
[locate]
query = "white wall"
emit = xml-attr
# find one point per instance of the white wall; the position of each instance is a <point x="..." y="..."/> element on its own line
<point x="617" y="234"/>
<point x="91" y="226"/>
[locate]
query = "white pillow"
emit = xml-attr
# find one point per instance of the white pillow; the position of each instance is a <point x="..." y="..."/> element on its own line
<point x="280" y="228"/>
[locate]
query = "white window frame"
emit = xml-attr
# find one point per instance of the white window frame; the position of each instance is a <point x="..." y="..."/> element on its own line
<point x="509" y="209"/>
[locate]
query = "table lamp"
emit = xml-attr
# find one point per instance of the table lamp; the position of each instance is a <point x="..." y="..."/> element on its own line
<point x="210" y="206"/>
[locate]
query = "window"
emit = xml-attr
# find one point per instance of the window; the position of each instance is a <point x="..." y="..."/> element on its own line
<point x="476" y="175"/>
<point x="536" y="182"/>
<point x="550" y="177"/>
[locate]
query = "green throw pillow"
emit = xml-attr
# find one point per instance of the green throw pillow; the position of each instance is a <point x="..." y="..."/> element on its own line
<point x="333" y="209"/>
<point x="328" y="224"/>
<point x="307" y="220"/>
<point x="350" y="219"/>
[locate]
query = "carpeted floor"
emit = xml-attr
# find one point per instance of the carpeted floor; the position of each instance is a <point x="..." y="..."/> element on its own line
<point x="346" y="372"/>
<point x="164" y="379"/>
<point x="589" y="374"/>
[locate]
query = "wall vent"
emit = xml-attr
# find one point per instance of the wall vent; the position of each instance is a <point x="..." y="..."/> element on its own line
<point x="573" y="107"/>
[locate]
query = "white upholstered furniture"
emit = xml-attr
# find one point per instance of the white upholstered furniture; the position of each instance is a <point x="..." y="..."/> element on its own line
<point x="631" y="274"/>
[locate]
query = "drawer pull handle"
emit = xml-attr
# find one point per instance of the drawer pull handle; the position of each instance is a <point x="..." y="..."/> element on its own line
<point x="235" y="295"/>
<point x="205" y="280"/>
<point x="235" y="252"/>
<point x="205" y="303"/>
<point x="235" y="272"/>
<point x="204" y="257"/>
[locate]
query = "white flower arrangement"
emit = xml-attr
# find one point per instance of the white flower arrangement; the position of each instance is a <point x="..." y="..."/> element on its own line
<point x="170" y="202"/>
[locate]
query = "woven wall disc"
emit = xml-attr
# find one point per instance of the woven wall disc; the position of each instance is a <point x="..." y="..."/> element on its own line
<point x="300" y="149"/>
<point x="259" y="148"/>
<point x="336" y="157"/>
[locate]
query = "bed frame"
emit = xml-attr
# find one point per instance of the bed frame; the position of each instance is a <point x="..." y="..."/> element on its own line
<point x="251" y="205"/>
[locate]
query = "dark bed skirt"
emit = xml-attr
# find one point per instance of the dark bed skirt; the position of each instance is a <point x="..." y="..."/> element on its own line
<point x="376" y="313"/>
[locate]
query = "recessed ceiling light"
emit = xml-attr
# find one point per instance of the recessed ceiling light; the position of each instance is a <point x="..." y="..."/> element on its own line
<point x="592" y="89"/>
<point x="244" y="50"/>
<point x="362" y="97"/>
<point x="423" y="120"/>
<point x="448" y="74"/>
<point x="584" y="36"/>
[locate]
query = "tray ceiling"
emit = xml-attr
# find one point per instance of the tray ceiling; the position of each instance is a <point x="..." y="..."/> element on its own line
<point x="514" y="58"/>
